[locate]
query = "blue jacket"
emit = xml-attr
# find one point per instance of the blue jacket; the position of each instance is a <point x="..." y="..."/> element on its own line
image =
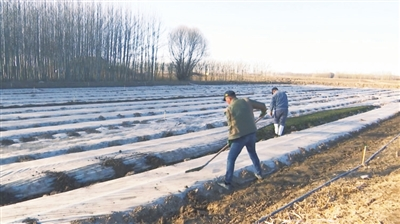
<point x="279" y="101"/>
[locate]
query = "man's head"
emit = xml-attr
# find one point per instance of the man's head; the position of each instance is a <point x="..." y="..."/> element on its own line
<point x="274" y="90"/>
<point x="229" y="95"/>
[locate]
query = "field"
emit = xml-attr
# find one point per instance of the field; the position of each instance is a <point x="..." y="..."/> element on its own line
<point x="366" y="195"/>
<point x="86" y="153"/>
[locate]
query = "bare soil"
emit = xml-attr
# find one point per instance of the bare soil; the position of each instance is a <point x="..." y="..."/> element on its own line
<point x="370" y="194"/>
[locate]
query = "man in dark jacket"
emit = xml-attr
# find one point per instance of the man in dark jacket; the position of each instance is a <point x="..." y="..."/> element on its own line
<point x="242" y="132"/>
<point x="279" y="104"/>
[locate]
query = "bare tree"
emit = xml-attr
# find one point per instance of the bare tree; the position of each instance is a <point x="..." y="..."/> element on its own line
<point x="154" y="45"/>
<point x="89" y="41"/>
<point x="187" y="47"/>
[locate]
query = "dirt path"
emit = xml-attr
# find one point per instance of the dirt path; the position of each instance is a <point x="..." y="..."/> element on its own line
<point x="350" y="199"/>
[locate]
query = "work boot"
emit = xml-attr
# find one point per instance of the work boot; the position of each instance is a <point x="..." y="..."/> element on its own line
<point x="225" y="185"/>
<point x="280" y="133"/>
<point x="276" y="127"/>
<point x="259" y="177"/>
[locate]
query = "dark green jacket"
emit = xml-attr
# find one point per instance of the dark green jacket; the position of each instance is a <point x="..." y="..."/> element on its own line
<point x="240" y="117"/>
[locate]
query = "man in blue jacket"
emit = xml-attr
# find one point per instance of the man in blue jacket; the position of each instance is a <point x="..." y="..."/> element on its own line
<point x="280" y="106"/>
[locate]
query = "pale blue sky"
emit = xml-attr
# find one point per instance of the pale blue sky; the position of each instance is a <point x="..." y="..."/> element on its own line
<point x="291" y="36"/>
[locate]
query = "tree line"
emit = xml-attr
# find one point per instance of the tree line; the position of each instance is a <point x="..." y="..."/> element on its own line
<point x="91" y="41"/>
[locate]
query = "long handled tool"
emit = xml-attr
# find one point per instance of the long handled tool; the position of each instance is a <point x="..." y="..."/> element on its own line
<point x="201" y="167"/>
<point x="219" y="152"/>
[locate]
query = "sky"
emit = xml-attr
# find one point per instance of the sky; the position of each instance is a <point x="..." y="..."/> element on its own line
<point x="185" y="117"/>
<point x="291" y="36"/>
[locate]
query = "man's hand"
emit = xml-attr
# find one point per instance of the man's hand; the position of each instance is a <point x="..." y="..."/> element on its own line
<point x="270" y="113"/>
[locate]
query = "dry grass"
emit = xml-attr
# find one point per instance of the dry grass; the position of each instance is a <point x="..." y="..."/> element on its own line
<point x="343" y="80"/>
<point x="349" y="201"/>
<point x="329" y="79"/>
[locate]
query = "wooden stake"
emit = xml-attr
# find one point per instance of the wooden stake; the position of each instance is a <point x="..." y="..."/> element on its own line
<point x="363" y="157"/>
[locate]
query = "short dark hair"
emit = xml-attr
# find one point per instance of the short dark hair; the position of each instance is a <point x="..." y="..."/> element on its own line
<point x="229" y="93"/>
<point x="272" y="91"/>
